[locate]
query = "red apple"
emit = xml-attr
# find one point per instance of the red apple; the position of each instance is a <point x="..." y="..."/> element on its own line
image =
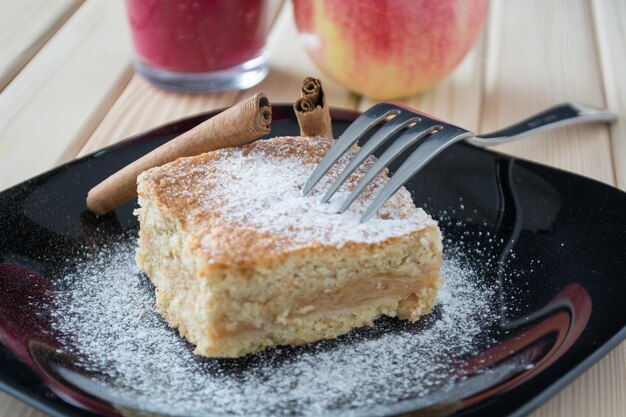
<point x="388" y="48"/>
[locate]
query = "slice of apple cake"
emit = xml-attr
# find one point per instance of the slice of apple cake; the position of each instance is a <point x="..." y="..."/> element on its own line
<point x="242" y="261"/>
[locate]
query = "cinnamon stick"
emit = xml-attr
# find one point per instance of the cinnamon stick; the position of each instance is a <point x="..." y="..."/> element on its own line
<point x="235" y="126"/>
<point x="312" y="110"/>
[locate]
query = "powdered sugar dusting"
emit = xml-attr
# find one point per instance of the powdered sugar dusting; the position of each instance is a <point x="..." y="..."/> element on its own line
<point x="259" y="188"/>
<point x="106" y="314"/>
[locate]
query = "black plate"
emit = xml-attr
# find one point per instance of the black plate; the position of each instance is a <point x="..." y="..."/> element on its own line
<point x="561" y="321"/>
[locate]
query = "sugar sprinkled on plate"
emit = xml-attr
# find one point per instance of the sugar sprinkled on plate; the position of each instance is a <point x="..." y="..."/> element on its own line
<point x="105" y="311"/>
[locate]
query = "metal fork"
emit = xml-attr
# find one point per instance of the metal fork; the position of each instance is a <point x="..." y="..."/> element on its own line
<point x="435" y="136"/>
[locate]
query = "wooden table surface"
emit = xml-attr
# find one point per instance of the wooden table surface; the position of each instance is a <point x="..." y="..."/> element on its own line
<point x="67" y="88"/>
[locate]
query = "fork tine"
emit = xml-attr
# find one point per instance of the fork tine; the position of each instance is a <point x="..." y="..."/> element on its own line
<point x="407" y="139"/>
<point x="431" y="147"/>
<point x="385" y="132"/>
<point x="354" y="132"/>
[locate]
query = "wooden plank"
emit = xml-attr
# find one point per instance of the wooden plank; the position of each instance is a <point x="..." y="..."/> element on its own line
<point x="26" y="27"/>
<point x="539" y="54"/>
<point x="57" y="100"/>
<point x="290" y="64"/>
<point x="142" y="106"/>
<point x="10" y="407"/>
<point x="275" y="6"/>
<point x="610" y="28"/>
<point x="597" y="392"/>
<point x="456" y="99"/>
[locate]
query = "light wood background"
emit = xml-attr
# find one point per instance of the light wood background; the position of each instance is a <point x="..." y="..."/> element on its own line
<point x="67" y="88"/>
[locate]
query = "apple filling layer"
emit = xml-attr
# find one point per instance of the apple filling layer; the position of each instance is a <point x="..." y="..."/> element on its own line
<point x="365" y="293"/>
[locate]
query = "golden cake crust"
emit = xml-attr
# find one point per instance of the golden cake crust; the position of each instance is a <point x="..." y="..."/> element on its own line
<point x="196" y="191"/>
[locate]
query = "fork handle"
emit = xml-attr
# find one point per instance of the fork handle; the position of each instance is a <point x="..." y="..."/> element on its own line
<point x="560" y="115"/>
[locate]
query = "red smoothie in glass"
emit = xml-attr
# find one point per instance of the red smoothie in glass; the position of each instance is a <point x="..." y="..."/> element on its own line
<point x="197" y="35"/>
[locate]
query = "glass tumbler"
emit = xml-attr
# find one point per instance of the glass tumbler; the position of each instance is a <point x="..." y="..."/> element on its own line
<point x="199" y="45"/>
